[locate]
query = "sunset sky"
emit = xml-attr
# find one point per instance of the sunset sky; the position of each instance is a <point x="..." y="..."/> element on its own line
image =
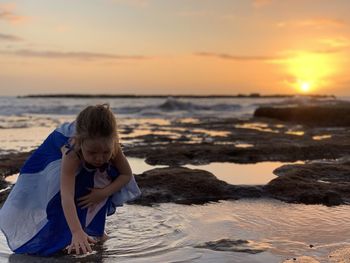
<point x="175" y="46"/>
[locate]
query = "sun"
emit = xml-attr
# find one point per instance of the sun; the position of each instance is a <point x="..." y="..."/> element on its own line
<point x="305" y="87"/>
<point x="309" y="72"/>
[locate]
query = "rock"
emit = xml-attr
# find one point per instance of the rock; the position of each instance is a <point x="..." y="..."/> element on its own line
<point x="321" y="182"/>
<point x="267" y="150"/>
<point x="239" y="245"/>
<point x="187" y="186"/>
<point x="332" y="198"/>
<point x="11" y="163"/>
<point x="3" y="196"/>
<point x="323" y="115"/>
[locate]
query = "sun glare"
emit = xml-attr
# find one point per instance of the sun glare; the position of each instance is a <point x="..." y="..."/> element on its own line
<point x="305" y="87"/>
<point x="310" y="71"/>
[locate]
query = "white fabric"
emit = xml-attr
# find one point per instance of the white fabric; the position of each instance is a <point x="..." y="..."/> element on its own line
<point x="101" y="180"/>
<point x="67" y="129"/>
<point x="27" y="203"/>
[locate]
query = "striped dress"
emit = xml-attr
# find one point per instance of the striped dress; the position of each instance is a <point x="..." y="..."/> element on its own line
<point x="32" y="217"/>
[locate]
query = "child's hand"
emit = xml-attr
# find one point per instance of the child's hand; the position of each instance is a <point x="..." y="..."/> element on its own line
<point x="96" y="196"/>
<point x="80" y="240"/>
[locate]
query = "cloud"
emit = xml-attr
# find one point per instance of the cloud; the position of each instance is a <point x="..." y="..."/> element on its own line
<point x="6" y="37"/>
<point x="339" y="42"/>
<point x="71" y="55"/>
<point x="315" y="22"/>
<point x="197" y="13"/>
<point x="260" y="3"/>
<point x="237" y="57"/>
<point x="7" y="14"/>
<point x="134" y="3"/>
<point x="285" y="55"/>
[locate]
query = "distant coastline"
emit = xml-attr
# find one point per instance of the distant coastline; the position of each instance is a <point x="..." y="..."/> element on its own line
<point x="130" y="96"/>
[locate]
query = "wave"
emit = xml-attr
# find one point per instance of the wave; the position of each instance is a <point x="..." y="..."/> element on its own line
<point x="130" y="107"/>
<point x="173" y="104"/>
<point x="28" y="121"/>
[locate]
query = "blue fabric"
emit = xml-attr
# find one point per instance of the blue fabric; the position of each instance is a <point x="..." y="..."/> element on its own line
<point x="56" y="235"/>
<point x="48" y="151"/>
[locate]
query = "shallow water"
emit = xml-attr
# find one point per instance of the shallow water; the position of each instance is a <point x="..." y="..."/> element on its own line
<point x="22" y="139"/>
<point x="232" y="173"/>
<point x="178" y="233"/>
<point x="241" y="174"/>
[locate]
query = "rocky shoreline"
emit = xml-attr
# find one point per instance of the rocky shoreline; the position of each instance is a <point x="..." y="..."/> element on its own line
<point x="202" y="141"/>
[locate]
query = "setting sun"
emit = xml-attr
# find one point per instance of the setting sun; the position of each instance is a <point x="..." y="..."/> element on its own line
<point x="310" y="70"/>
<point x="305" y="87"/>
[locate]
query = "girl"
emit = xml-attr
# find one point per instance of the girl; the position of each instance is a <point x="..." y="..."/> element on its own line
<point x="65" y="190"/>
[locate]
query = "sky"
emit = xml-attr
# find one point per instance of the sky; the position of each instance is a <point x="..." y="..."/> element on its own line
<point x="199" y="47"/>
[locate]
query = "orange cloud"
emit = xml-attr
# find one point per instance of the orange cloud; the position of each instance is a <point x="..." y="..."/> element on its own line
<point x="71" y="55"/>
<point x="7" y="14"/>
<point x="6" y="37"/>
<point x="340" y="42"/>
<point x="281" y="58"/>
<point x="315" y="22"/>
<point x="237" y="57"/>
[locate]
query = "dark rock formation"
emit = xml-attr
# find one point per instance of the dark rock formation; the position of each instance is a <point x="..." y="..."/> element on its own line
<point x="11" y="163"/>
<point x="327" y="115"/>
<point x="188" y="186"/>
<point x="268" y="150"/>
<point x="239" y="245"/>
<point x="313" y="183"/>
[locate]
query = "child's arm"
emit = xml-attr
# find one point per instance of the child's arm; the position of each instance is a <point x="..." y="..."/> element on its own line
<point x="125" y="173"/>
<point x="97" y="195"/>
<point x="70" y="164"/>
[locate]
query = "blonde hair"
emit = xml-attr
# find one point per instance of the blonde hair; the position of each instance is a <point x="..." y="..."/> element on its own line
<point x="96" y="122"/>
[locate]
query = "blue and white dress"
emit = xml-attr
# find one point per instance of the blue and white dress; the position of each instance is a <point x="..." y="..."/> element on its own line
<point x="32" y="217"/>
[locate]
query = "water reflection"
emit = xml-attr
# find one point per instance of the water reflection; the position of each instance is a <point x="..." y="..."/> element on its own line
<point x="242" y="174"/>
<point x="176" y="233"/>
<point x="294" y="132"/>
<point x="321" y="137"/>
<point x="258" y="126"/>
<point x="23" y="139"/>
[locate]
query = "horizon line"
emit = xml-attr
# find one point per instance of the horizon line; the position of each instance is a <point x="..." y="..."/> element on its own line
<point x="239" y="95"/>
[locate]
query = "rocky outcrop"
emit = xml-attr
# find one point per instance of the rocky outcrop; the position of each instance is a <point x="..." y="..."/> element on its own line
<point x="326" y="115"/>
<point x="312" y="183"/>
<point x="188" y="186"/>
<point x="268" y="150"/>
<point x="243" y="246"/>
<point x="9" y="164"/>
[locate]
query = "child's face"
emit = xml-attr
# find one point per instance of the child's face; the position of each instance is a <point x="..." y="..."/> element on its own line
<point x="97" y="151"/>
